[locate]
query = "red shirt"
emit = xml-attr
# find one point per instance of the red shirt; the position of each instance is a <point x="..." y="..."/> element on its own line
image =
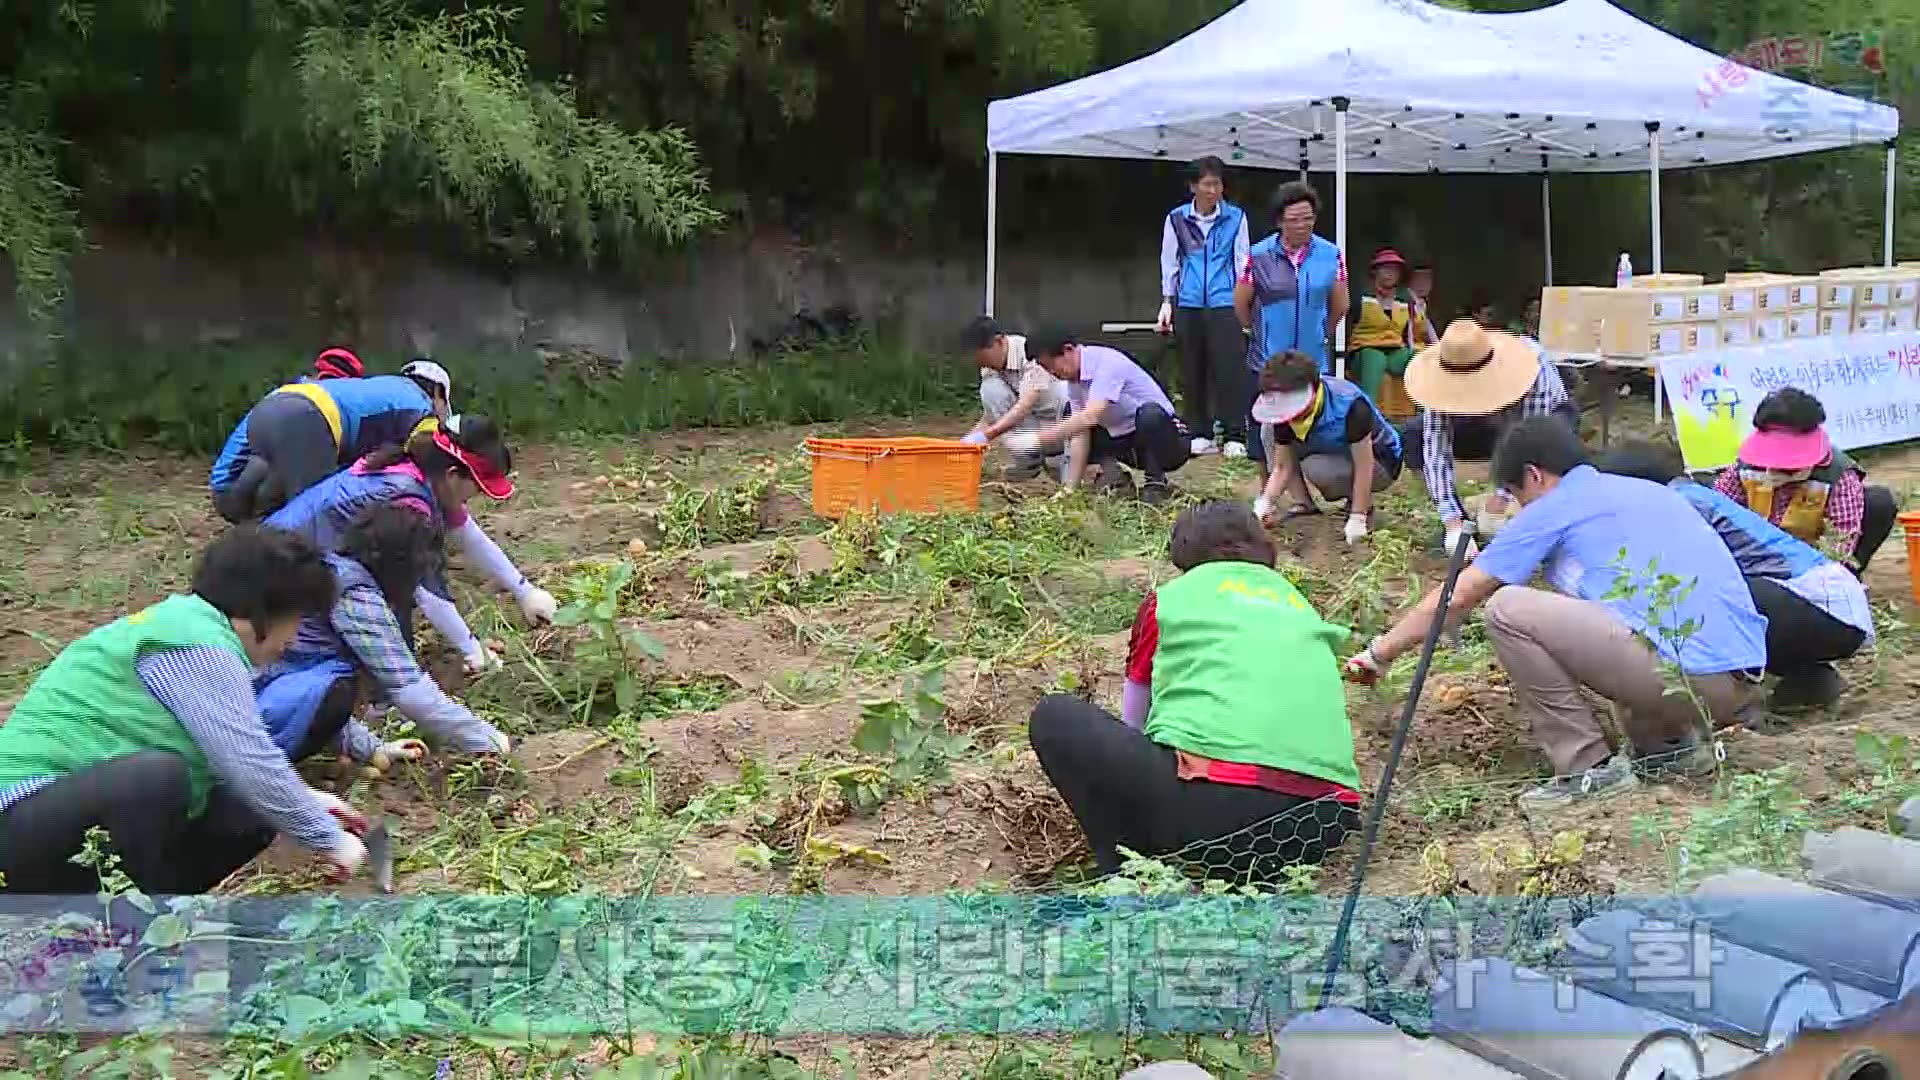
<point x="1141" y="645"/>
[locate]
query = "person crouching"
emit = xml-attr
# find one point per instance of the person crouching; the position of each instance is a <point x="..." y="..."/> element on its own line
<point x="1326" y="432"/>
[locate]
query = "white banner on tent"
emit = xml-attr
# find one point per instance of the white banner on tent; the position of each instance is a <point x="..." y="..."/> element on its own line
<point x="1869" y="383"/>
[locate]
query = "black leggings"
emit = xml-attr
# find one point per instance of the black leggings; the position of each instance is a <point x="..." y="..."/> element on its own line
<point x="290" y="449"/>
<point x="1800" y="636"/>
<point x="1124" y="790"/>
<point x="1875" y="524"/>
<point x="141" y="800"/>
<point x="1213" y="369"/>
<point x="1157" y="445"/>
<point x="334" y="711"/>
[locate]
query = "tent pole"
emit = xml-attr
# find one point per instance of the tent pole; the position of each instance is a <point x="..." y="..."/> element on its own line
<point x="1340" y="219"/>
<point x="1653" y="203"/>
<point x="993" y="213"/>
<point x="1546" y="218"/>
<point x="1888" y="222"/>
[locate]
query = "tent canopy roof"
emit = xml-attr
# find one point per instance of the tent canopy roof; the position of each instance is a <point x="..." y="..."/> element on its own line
<point x="1568" y="88"/>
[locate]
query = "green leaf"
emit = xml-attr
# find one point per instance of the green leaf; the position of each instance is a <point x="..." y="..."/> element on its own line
<point x="165" y="932"/>
<point x="300" y="1011"/>
<point x="139" y="900"/>
<point x="571" y="615"/>
<point x="645" y="643"/>
<point x="409" y="1013"/>
<point x="357" y="1067"/>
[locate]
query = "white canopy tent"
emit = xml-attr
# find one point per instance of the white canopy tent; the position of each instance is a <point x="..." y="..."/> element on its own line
<point x="1400" y="86"/>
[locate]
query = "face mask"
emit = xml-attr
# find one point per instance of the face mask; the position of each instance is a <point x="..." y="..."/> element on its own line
<point x="1773" y="478"/>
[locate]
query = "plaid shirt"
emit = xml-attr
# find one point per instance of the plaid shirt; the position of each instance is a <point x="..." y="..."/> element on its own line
<point x="1846" y="507"/>
<point x="1436" y="435"/>
<point x="367" y="627"/>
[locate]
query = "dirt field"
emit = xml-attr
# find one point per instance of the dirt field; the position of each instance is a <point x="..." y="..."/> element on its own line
<point x="728" y="766"/>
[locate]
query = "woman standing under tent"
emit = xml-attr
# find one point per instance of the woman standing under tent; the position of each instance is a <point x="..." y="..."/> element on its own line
<point x="1292" y="294"/>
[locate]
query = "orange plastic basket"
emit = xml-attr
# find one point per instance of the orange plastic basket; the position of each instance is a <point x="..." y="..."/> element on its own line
<point x="894" y="475"/>
<point x="1910" y="526"/>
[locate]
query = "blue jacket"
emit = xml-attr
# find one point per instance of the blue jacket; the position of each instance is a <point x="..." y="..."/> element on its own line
<point x="232" y="459"/>
<point x="322" y="513"/>
<point x="1207" y="273"/>
<point x="1291" y="307"/>
<point x="1329" y="432"/>
<point x="1761" y="548"/>
<point x="289" y="692"/>
<point x="372" y="413"/>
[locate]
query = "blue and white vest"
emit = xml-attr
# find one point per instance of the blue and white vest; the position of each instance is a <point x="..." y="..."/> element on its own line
<point x="1207" y="274"/>
<point x="1291" y="306"/>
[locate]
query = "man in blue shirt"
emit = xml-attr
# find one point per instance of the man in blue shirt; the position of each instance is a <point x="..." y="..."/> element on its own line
<point x="1643" y="586"/>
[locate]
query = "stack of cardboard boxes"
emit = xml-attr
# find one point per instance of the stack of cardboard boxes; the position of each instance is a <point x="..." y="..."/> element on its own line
<point x="1667" y="314"/>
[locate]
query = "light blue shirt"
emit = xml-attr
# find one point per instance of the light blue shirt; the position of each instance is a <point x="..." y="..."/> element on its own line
<point x="1110" y="375"/>
<point x="1592" y="523"/>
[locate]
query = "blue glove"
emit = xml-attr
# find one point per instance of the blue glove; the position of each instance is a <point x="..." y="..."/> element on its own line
<point x="974" y="438"/>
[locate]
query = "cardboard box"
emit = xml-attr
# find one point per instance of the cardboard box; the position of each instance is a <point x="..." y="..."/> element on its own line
<point x="1838" y="293"/>
<point x="1870" y="321"/>
<point x="1750" y="277"/>
<point x="1668" y="281"/>
<point x="1736" y="331"/>
<point x="1803" y="324"/>
<point x="1703" y="305"/>
<point x="1906" y="292"/>
<point x="1570" y="318"/>
<point x="1770" y="328"/>
<point x="1836" y="322"/>
<point x="1803" y="293"/>
<point x="1875" y="292"/>
<point x="1737" y="299"/>
<point x="1902" y="320"/>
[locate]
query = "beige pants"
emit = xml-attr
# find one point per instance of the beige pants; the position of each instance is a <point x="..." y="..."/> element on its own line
<point x="1552" y="646"/>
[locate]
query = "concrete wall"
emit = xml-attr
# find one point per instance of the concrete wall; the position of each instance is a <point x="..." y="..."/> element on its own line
<point x="703" y="303"/>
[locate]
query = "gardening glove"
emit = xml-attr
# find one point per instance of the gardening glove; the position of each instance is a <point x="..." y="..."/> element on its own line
<point x="396" y="751"/>
<point x="1356" y="527"/>
<point x="974" y="438"/>
<point x="481" y="659"/>
<point x="1263" y="509"/>
<point x="344" y="859"/>
<point x="1164" y="323"/>
<point x="1461" y="533"/>
<point x="1021" y="442"/>
<point x="498" y="743"/>
<point x="1364" y="668"/>
<point x="538" y="606"/>
<point x="350" y="819"/>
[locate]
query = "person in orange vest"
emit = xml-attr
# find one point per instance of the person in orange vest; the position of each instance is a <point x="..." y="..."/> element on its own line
<point x="1790" y="473"/>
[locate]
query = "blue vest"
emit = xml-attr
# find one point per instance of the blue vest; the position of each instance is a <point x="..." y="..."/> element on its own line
<point x="376" y="412"/>
<point x="1207" y="274"/>
<point x="232" y="460"/>
<point x="1329" y="432"/>
<point x="322" y="513"/>
<point x="1292" y="306"/>
<point x="290" y="691"/>
<point x="1761" y="548"/>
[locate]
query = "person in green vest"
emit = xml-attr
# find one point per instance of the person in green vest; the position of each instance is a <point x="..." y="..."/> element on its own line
<point x="1232" y="747"/>
<point x="147" y="728"/>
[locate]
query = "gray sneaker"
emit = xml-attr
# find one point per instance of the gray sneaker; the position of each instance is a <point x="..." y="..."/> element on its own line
<point x="1677" y="758"/>
<point x="1610" y="777"/>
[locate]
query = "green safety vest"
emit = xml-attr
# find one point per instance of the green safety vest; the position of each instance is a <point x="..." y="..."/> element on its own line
<point x="89" y="705"/>
<point x="1245" y="672"/>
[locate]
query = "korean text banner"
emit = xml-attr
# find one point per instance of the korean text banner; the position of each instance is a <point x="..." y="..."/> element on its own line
<point x="1869" y="383"/>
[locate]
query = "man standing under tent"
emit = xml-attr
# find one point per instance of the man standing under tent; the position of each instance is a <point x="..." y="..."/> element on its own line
<point x="1474" y="372"/>
<point x="1119" y="415"/>
<point x="1612" y="547"/>
<point x="1016" y="394"/>
<point x="1292" y="294"/>
<point x="1203" y="248"/>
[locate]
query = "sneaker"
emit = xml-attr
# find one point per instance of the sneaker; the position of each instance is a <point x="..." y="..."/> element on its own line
<point x="1819" y="687"/>
<point x="1023" y="470"/>
<point x="1682" y="758"/>
<point x="1156" y="491"/>
<point x="1610" y="777"/>
<point x="1114" y="480"/>
<point x="1202" y="447"/>
<point x="1234" y="450"/>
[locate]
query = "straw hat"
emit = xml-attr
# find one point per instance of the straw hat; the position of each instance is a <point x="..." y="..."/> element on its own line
<point x="1472" y="371"/>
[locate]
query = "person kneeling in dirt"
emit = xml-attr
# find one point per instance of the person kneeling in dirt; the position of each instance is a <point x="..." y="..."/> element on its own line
<point x="1233" y="744"/>
<point x="307" y="698"/>
<point x="1790" y="473"/>
<point x="1606" y="543"/>
<point x="439" y="469"/>
<point x="1119" y="415"/>
<point x="1326" y="432"/>
<point x="147" y="728"/>
<point x="1016" y="394"/>
<point x="1816" y="609"/>
<point x="304" y="432"/>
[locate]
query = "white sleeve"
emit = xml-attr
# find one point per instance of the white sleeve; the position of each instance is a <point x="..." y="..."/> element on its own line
<point x="445" y="618"/>
<point x="1169" y="259"/>
<point x="486" y="555"/>
<point x="1242" y="250"/>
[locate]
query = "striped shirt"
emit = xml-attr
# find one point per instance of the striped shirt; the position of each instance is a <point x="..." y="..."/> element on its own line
<point x="210" y="691"/>
<point x="1436" y="435"/>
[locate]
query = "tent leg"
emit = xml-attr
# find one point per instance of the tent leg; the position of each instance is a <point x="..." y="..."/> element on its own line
<point x="1888" y="222"/>
<point x="1653" y="201"/>
<point x="1340" y="219"/>
<point x="993" y="213"/>
<point x="1546" y="224"/>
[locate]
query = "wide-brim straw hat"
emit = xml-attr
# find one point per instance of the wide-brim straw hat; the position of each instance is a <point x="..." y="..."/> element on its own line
<point x="1472" y="371"/>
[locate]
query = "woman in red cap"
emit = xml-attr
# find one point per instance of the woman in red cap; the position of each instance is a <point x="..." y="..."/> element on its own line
<point x="1790" y="473"/>
<point x="338" y="363"/>
<point x="1383" y="325"/>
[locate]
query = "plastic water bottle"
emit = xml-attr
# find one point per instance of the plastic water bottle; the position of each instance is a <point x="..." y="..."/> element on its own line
<point x="1623" y="274"/>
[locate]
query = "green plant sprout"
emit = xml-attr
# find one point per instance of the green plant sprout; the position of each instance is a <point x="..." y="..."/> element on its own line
<point x="1662" y="595"/>
<point x="612" y="653"/>
<point x="909" y="731"/>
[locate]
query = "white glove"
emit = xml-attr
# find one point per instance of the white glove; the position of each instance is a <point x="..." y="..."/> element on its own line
<point x="353" y="821"/>
<point x="501" y="744"/>
<point x="1021" y="442"/>
<point x="1364" y="668"/>
<point x="1263" y="508"/>
<point x="538" y="606"/>
<point x="1460" y="534"/>
<point x="1165" y="323"/>
<point x="1356" y="527"/>
<point x="344" y="858"/>
<point x="482" y="659"/>
<point x="974" y="438"/>
<point x="391" y="753"/>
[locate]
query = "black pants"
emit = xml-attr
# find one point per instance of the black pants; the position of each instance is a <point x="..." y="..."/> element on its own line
<point x="1157" y="445"/>
<point x="1124" y="790"/>
<point x="290" y="449"/>
<point x="333" y="713"/>
<point x="141" y="800"/>
<point x="1800" y="636"/>
<point x="1212" y="369"/>
<point x="1875" y="525"/>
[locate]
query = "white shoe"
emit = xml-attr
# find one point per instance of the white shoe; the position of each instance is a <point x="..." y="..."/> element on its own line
<point x="1202" y="447"/>
<point x="1235" y="450"/>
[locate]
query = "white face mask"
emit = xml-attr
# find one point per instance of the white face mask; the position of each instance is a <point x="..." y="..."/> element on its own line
<point x="1773" y="478"/>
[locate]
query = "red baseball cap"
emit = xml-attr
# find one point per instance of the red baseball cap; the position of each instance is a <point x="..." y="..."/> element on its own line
<point x="1387" y="257"/>
<point x="337" y="363"/>
<point x="496" y="484"/>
